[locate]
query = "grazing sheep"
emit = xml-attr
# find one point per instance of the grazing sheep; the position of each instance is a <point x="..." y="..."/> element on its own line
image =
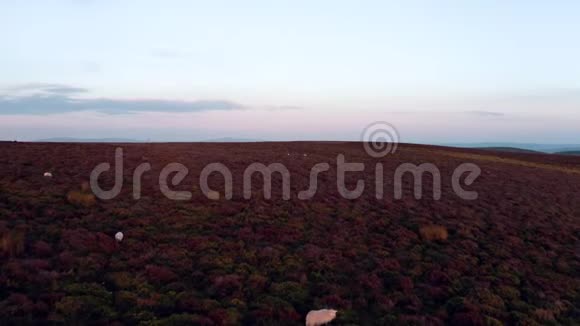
<point x="47" y="175"/>
<point x="320" y="317"/>
<point x="119" y="236"/>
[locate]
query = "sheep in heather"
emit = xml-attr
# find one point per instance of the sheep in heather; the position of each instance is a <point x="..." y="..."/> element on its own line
<point x="119" y="236"/>
<point x="320" y="317"/>
<point x="47" y="175"/>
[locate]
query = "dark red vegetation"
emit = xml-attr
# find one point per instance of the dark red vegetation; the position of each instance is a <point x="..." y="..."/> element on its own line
<point x="511" y="256"/>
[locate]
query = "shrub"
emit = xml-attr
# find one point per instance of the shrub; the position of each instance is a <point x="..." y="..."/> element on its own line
<point x="455" y="304"/>
<point x="183" y="319"/>
<point x="92" y="289"/>
<point x="85" y="187"/>
<point x="544" y="314"/>
<point x="12" y="243"/>
<point x="227" y="284"/>
<point x="85" y="308"/>
<point x="290" y="291"/>
<point x="490" y="321"/>
<point x="122" y="280"/>
<point x="79" y="198"/>
<point x="467" y="318"/>
<point x="159" y="274"/>
<point x="433" y="232"/>
<point x="406" y="284"/>
<point x="41" y="248"/>
<point x="508" y="292"/>
<point x="125" y="300"/>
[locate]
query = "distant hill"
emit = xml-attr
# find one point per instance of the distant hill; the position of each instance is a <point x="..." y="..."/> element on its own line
<point x="129" y="140"/>
<point x="511" y="150"/>
<point x="231" y="140"/>
<point x="88" y="140"/>
<point x="543" y="148"/>
<point x="568" y="153"/>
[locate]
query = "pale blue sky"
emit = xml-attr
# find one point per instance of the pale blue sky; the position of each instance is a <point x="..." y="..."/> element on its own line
<point x="324" y="68"/>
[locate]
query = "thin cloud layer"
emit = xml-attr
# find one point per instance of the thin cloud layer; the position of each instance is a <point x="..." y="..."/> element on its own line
<point x="486" y="113"/>
<point x="53" y="98"/>
<point x="45" y="88"/>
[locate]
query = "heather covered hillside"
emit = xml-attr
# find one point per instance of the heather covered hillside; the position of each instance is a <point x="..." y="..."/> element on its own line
<point x="511" y="256"/>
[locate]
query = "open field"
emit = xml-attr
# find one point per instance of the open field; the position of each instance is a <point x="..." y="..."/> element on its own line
<point x="510" y="256"/>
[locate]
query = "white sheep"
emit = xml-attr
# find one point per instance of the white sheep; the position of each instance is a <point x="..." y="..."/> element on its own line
<point x="119" y="236"/>
<point x="47" y="175"/>
<point x="320" y="317"/>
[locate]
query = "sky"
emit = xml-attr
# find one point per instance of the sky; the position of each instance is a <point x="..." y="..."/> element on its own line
<point x="439" y="71"/>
